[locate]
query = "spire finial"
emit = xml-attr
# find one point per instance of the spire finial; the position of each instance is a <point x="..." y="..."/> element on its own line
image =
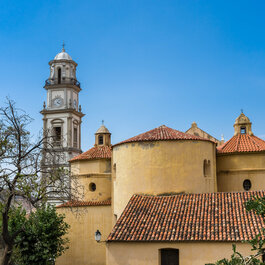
<point x="63" y="50"/>
<point x="102" y="122"/>
<point x="241" y="110"/>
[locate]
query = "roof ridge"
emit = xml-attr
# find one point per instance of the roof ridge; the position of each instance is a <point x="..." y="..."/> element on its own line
<point x="76" y="203"/>
<point x="225" y="144"/>
<point x="254" y="140"/>
<point x="237" y="142"/>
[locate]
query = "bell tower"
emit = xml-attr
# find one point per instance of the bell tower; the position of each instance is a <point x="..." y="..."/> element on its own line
<point x="242" y="125"/>
<point x="62" y="115"/>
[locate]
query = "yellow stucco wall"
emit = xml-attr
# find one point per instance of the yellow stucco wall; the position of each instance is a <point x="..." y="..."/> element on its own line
<point x="91" y="166"/>
<point x="96" y="171"/>
<point x="198" y="253"/>
<point x="84" y="222"/>
<point x="161" y="167"/>
<point x="103" y="186"/>
<point x="233" y="169"/>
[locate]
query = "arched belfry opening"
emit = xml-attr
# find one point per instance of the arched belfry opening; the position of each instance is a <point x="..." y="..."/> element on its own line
<point x="59" y="75"/>
<point x="103" y="136"/>
<point x="242" y="125"/>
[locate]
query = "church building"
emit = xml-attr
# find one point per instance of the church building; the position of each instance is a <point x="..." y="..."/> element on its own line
<point x="163" y="197"/>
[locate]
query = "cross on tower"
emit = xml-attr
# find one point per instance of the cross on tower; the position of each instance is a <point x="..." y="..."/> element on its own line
<point x="63" y="46"/>
<point x="102" y="122"/>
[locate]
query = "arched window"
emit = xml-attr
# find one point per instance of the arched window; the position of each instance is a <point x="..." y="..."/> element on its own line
<point x="57" y="131"/>
<point x="206" y="168"/>
<point x="59" y="75"/>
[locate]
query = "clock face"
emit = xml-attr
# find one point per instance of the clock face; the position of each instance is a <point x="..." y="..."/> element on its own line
<point x="57" y="102"/>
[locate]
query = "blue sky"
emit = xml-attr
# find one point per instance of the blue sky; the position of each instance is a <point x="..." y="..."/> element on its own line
<point x="141" y="63"/>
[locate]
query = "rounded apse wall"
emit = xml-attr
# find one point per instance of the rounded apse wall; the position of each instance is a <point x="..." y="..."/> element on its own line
<point x="161" y="168"/>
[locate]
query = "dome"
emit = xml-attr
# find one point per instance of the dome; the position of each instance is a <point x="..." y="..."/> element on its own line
<point x="242" y="119"/>
<point x="63" y="56"/>
<point x="102" y="129"/>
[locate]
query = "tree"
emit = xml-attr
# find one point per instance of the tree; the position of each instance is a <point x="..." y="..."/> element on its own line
<point x="257" y="205"/>
<point x="22" y="174"/>
<point x="42" y="238"/>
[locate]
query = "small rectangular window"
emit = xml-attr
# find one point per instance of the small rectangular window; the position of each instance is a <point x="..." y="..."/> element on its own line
<point x="169" y="256"/>
<point x="100" y="139"/>
<point x="75" y="137"/>
<point x="243" y="130"/>
<point x="57" y="135"/>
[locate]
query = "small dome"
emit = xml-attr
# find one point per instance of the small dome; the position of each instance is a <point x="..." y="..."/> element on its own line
<point x="63" y="56"/>
<point x="102" y="129"/>
<point x="242" y="119"/>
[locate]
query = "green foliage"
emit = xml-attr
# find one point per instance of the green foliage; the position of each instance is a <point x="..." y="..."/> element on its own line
<point x="42" y="236"/>
<point x="239" y="259"/>
<point x="257" y="205"/>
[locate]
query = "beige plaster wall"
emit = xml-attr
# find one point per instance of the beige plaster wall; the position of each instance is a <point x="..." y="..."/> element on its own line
<point x="198" y="253"/>
<point x="103" y="186"/>
<point x="91" y="166"/>
<point x="84" y="222"/>
<point x="93" y="171"/>
<point x="161" y="167"/>
<point x="233" y="169"/>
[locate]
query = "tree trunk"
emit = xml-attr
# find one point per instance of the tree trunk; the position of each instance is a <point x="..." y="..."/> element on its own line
<point x="7" y="255"/>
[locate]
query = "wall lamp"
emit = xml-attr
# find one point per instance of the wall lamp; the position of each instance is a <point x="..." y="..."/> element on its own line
<point x="98" y="237"/>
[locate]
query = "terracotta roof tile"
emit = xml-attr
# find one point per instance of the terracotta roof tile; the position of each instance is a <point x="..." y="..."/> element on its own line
<point x="97" y="152"/>
<point x="188" y="217"/>
<point x="242" y="143"/>
<point x="163" y="133"/>
<point x="84" y="203"/>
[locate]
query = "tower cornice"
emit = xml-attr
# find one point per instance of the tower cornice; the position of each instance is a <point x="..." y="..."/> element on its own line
<point x="64" y="85"/>
<point x="58" y="111"/>
<point x="62" y="61"/>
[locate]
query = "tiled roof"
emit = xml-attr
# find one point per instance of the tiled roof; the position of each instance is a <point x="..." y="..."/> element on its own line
<point x="163" y="133"/>
<point x="188" y="217"/>
<point x="84" y="203"/>
<point x="97" y="152"/>
<point x="242" y="143"/>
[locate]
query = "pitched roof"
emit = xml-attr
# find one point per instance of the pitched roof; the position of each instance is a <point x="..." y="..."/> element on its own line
<point x="242" y="143"/>
<point x="163" y="133"/>
<point x="188" y="217"/>
<point x="84" y="203"/>
<point x="97" y="152"/>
